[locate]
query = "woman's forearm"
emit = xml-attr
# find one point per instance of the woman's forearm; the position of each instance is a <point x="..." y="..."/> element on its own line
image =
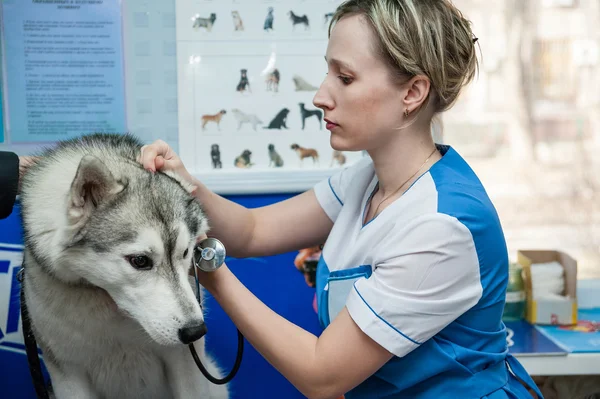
<point x="228" y="221"/>
<point x="289" y="348"/>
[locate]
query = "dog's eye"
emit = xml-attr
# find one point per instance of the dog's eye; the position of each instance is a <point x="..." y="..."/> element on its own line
<point x="140" y="262"/>
<point x="185" y="254"/>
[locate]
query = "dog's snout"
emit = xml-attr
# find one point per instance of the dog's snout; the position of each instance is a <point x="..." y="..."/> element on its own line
<point x="192" y="332"/>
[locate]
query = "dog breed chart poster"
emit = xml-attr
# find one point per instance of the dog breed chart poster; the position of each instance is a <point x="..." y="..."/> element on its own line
<point x="247" y="75"/>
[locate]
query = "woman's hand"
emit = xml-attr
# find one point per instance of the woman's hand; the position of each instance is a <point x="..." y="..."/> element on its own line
<point x="160" y="156"/>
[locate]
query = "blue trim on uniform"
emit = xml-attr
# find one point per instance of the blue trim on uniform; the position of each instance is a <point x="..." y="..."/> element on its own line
<point x="384" y="320"/>
<point x="322" y="293"/>
<point x="333" y="191"/>
<point x="344" y="274"/>
<point x="362" y="220"/>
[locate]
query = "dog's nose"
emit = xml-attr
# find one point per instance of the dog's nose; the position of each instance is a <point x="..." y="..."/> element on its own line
<point x="192" y="332"/>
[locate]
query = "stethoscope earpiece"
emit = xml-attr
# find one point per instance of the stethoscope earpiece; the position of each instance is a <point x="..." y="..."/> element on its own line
<point x="209" y="254"/>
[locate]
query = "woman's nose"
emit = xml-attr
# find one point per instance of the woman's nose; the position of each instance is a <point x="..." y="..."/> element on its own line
<point x="323" y="98"/>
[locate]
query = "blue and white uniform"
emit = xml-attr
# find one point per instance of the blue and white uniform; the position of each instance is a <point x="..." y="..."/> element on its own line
<point x="426" y="279"/>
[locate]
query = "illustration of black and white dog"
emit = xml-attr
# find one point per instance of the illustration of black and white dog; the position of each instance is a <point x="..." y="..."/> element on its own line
<point x="274" y="157"/>
<point x="299" y="19"/>
<point x="215" y="155"/>
<point x="280" y="120"/>
<point x="307" y="113"/>
<point x="269" y="20"/>
<point x="244" y="83"/>
<point x="204" y="22"/>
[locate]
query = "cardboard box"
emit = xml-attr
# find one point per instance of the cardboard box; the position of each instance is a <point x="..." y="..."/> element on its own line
<point x="550" y="312"/>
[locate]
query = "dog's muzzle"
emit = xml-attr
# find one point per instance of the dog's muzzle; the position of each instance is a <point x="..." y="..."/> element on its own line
<point x="192" y="333"/>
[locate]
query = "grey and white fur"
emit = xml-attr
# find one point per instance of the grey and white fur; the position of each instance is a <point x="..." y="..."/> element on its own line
<point x="108" y="248"/>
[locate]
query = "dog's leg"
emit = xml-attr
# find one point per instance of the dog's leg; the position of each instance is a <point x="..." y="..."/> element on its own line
<point x="303" y="120"/>
<point x="69" y="383"/>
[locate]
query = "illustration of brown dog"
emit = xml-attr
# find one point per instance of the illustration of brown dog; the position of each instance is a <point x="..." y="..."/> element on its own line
<point x="216" y="118"/>
<point x="305" y="153"/>
<point x="338" y="157"/>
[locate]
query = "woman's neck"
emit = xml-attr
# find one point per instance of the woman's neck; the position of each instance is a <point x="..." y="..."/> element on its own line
<point x="397" y="162"/>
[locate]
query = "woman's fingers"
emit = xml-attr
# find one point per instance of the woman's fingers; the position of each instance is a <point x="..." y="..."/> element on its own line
<point x="153" y="156"/>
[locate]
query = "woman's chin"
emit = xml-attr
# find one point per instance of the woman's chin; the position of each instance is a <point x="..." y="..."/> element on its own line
<point x="340" y="144"/>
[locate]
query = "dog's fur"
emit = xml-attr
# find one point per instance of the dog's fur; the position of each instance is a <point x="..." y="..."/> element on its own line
<point x="109" y="328"/>
<point x="243" y="160"/>
<point x="305" y="153"/>
<point x="274" y="157"/>
<point x="238" y="24"/>
<point x="242" y="118"/>
<point x="299" y="19"/>
<point x="207" y="23"/>
<point x="280" y="120"/>
<point x="338" y="157"/>
<point x="216" y="118"/>
<point x="269" y="20"/>
<point x="307" y="113"/>
<point x="244" y="83"/>
<point x="215" y="156"/>
<point x="303" y="85"/>
<point x="272" y="80"/>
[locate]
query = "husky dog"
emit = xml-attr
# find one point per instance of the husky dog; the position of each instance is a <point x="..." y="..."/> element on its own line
<point x="108" y="248"/>
<point x="245" y="118"/>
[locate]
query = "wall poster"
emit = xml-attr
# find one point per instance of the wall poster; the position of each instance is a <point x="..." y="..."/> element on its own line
<point x="247" y="76"/>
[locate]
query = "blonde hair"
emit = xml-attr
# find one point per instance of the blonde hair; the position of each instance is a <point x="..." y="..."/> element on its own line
<point x="421" y="37"/>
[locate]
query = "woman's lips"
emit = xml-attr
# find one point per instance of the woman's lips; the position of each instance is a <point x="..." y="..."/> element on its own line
<point x="330" y="125"/>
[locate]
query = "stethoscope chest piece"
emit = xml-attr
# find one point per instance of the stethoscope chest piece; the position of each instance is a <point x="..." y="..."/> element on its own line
<point x="209" y="254"/>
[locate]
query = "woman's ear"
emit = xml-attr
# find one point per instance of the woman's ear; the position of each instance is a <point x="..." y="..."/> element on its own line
<point x="417" y="91"/>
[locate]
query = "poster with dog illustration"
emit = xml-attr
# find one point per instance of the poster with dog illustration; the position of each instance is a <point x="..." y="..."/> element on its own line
<point x="247" y="77"/>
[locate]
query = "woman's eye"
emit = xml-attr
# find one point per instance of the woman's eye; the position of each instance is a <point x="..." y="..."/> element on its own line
<point x="140" y="262"/>
<point x="185" y="254"/>
<point x="345" y="79"/>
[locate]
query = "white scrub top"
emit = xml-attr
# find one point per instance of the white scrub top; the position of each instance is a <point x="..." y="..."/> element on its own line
<point x="426" y="279"/>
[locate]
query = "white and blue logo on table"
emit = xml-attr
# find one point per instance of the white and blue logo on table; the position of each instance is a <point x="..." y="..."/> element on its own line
<point x="11" y="336"/>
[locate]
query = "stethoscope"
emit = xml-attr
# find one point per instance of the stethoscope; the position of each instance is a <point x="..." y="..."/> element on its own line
<point x="209" y="255"/>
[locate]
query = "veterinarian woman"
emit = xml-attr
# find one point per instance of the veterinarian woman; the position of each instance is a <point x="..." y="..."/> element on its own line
<point x="412" y="281"/>
<point x="12" y="168"/>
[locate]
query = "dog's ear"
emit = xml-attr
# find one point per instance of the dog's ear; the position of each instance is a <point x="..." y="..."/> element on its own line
<point x="93" y="184"/>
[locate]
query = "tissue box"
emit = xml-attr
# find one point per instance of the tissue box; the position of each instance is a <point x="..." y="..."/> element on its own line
<point x="549" y="311"/>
